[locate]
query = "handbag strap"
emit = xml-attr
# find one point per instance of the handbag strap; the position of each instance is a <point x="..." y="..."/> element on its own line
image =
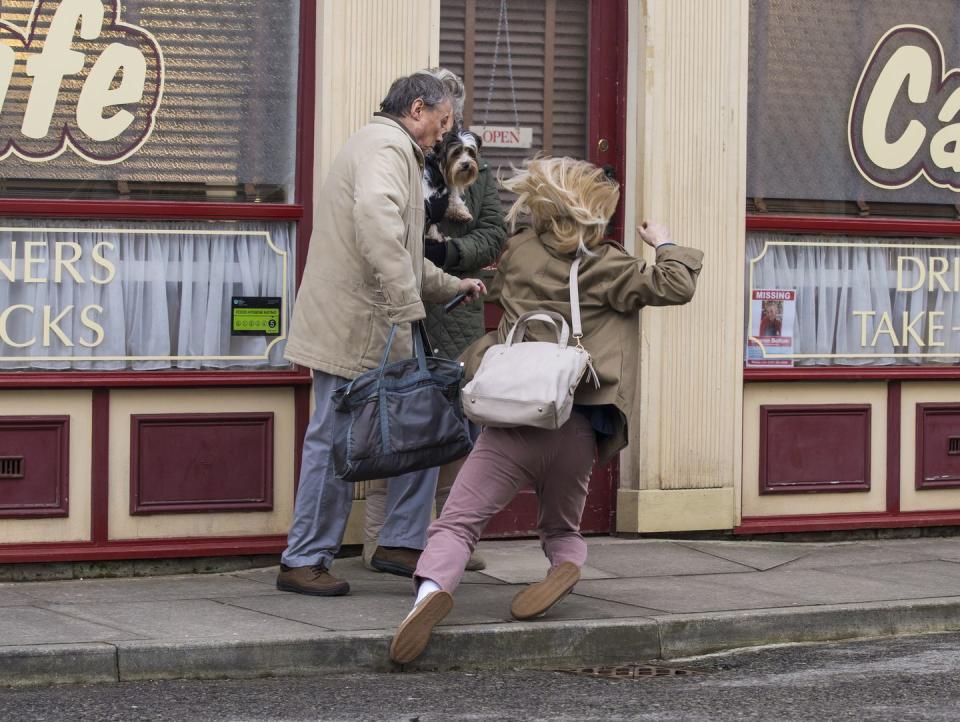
<point x="520" y="326"/>
<point x="575" y="301"/>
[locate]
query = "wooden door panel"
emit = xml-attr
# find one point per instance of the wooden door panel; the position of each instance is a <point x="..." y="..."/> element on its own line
<point x="568" y="66"/>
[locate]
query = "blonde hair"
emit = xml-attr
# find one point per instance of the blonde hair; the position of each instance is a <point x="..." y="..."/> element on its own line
<point x="571" y="198"/>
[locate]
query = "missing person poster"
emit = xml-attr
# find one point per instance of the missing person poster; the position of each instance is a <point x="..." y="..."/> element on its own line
<point x="773" y="314"/>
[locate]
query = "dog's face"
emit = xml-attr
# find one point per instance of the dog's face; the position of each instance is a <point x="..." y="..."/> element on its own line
<point x="459" y="154"/>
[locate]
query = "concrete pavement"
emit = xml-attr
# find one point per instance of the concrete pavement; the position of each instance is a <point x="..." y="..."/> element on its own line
<point x="638" y="600"/>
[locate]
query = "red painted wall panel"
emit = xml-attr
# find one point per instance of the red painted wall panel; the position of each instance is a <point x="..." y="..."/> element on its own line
<point x="35" y="473"/>
<point x="814" y="448"/>
<point x="938" y="446"/>
<point x="201" y="462"/>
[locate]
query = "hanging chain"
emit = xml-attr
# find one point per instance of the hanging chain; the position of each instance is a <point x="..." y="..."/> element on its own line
<point x="503" y="26"/>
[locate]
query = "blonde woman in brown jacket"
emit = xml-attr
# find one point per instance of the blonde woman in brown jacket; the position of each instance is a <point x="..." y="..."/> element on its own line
<point x="569" y="204"/>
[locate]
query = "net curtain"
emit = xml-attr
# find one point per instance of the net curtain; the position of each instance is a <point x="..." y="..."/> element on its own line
<point x="832" y="282"/>
<point x="170" y="296"/>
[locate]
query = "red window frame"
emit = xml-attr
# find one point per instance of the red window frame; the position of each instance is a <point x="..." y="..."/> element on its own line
<point x="841" y="225"/>
<point x="300" y="212"/>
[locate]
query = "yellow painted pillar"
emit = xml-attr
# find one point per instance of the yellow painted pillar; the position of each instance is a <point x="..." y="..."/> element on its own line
<point x="687" y="128"/>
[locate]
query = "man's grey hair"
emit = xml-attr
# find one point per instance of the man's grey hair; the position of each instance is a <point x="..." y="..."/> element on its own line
<point x="455" y="89"/>
<point x="404" y="91"/>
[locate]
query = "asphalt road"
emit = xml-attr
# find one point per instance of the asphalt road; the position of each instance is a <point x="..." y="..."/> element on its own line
<point x="915" y="678"/>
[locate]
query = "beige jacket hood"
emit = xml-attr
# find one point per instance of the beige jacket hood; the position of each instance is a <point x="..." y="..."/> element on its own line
<point x="365" y="268"/>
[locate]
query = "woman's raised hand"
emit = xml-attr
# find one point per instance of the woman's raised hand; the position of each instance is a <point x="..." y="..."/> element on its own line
<point x="654" y="233"/>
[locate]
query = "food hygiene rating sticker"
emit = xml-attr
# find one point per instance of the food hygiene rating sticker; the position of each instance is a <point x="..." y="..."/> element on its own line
<point x="255" y="316"/>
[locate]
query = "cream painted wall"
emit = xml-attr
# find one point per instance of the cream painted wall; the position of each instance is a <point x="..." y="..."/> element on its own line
<point x="363" y="46"/>
<point x="689" y="96"/>
<point x="124" y="403"/>
<point x="78" y="406"/>
<point x="756" y="395"/>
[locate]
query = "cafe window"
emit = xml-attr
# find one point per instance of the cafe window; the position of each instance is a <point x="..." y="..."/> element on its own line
<point x="173" y="100"/>
<point x="853" y="168"/>
<point x="148" y="182"/>
<point x="143" y="295"/>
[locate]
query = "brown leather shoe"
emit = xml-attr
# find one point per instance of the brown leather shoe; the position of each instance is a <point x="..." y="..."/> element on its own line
<point x="534" y="600"/>
<point x="396" y="560"/>
<point x="314" y="580"/>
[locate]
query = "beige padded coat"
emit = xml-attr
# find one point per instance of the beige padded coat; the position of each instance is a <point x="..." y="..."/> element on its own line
<point x="365" y="268"/>
<point x="613" y="287"/>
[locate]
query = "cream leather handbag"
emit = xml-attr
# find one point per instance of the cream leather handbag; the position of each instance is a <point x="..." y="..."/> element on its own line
<point x="531" y="383"/>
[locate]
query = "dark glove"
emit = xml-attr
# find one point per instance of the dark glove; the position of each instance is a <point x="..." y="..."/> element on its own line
<point x="436" y="207"/>
<point x="435" y="252"/>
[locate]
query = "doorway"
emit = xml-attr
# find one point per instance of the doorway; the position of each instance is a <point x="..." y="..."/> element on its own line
<point x="544" y="76"/>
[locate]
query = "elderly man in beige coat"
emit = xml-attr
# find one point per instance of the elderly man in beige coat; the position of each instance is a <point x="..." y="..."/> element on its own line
<point x="365" y="272"/>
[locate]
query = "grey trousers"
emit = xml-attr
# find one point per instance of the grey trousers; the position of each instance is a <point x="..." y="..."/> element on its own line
<point x="324" y="502"/>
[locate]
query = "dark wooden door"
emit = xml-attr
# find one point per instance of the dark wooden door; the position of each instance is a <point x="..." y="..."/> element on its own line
<point x="557" y="67"/>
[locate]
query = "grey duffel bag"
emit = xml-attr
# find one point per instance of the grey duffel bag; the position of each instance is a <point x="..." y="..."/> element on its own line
<point x="400" y="417"/>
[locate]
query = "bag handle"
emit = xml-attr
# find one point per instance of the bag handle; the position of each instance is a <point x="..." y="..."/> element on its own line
<point x="420" y="343"/>
<point x="552" y="317"/>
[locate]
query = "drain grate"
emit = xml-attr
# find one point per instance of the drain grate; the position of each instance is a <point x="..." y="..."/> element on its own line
<point x="636" y="671"/>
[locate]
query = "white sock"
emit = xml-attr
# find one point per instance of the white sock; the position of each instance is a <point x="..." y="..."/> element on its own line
<point x="427" y="586"/>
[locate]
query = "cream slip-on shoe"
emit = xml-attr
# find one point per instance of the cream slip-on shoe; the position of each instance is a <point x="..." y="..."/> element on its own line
<point x="534" y="600"/>
<point x="414" y="632"/>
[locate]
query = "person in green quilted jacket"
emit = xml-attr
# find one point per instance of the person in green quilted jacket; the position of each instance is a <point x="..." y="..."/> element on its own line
<point x="469" y="247"/>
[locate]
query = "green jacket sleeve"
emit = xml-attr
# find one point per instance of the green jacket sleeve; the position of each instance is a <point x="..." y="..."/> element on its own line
<point x="477" y="243"/>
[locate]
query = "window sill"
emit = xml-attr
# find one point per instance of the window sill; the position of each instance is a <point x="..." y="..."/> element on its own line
<point x="191" y="210"/>
<point x="835" y="373"/>
<point x="142" y="379"/>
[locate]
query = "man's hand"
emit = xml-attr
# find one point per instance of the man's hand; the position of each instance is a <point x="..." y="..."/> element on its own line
<point x="473" y="287"/>
<point x="654" y="234"/>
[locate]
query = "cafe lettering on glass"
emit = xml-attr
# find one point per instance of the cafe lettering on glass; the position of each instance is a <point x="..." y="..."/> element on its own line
<point x="936" y="274"/>
<point x="27" y="261"/>
<point x="32" y="266"/>
<point x="92" y="82"/>
<point x="903" y="119"/>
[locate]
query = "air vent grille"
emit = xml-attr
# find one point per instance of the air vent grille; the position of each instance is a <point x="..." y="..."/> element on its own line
<point x="11" y="467"/>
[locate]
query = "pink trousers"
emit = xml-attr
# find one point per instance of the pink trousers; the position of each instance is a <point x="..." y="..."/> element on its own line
<point x="556" y="463"/>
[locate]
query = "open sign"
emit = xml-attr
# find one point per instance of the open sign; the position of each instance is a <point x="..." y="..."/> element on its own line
<point x="500" y="136"/>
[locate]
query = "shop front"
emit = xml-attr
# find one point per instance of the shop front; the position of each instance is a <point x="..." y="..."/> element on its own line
<point x="157" y="171"/>
<point x="159" y="164"/>
<point x="852" y="394"/>
<point x="158" y="176"/>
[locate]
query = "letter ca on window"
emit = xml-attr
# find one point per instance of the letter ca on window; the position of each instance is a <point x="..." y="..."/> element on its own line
<point x="77" y="76"/>
<point x="903" y="121"/>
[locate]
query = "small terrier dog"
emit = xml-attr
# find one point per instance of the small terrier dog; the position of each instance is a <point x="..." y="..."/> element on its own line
<point x="449" y="170"/>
